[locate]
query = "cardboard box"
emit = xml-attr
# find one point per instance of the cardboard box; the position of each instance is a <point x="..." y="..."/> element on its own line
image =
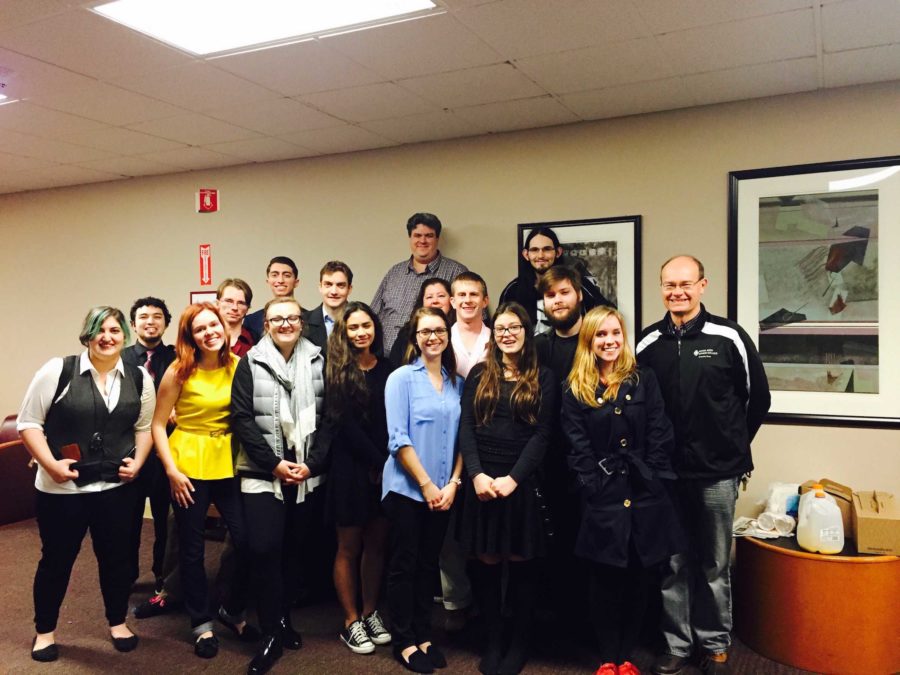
<point x="876" y="518"/>
<point x="843" y="495"/>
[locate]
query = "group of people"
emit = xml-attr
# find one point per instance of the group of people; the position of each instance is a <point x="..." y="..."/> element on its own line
<point x="435" y="442"/>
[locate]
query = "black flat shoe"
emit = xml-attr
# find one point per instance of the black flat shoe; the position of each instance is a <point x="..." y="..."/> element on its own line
<point x="418" y="661"/>
<point x="206" y="648"/>
<point x="249" y="634"/>
<point x="46" y="654"/>
<point x="265" y="658"/>
<point x="126" y="644"/>
<point x="436" y="656"/>
<point x="290" y="638"/>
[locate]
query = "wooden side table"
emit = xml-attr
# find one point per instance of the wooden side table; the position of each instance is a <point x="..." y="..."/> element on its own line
<point x="824" y="613"/>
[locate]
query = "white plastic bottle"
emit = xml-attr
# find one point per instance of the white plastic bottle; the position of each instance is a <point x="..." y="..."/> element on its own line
<point x="820" y="528"/>
<point x="809" y="497"/>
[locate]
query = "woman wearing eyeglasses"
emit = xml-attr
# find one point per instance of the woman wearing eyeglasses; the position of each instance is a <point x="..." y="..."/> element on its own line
<point x="86" y="421"/>
<point x="421" y="478"/>
<point x="198" y="460"/>
<point x="507" y="413"/>
<point x="276" y="406"/>
<point x="620" y="447"/>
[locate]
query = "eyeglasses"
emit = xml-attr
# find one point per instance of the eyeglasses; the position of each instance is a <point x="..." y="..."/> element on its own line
<point x="293" y="320"/>
<point x="514" y="330"/>
<point x="426" y="333"/>
<point x="683" y="286"/>
<point x="234" y="303"/>
<point x="534" y="250"/>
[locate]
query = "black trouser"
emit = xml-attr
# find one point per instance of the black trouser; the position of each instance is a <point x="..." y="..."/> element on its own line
<point x="63" y="520"/>
<point x="274" y="535"/>
<point x="417" y="535"/>
<point x="151" y="483"/>
<point x="191" y="525"/>
<point x="618" y="603"/>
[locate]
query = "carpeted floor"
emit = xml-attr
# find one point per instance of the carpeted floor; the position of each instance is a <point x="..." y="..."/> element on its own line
<point x="164" y="648"/>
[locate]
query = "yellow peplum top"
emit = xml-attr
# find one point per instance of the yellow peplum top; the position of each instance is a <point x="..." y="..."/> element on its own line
<point x="201" y="442"/>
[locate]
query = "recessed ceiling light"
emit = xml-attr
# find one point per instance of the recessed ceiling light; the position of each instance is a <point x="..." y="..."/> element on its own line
<point x="205" y="27"/>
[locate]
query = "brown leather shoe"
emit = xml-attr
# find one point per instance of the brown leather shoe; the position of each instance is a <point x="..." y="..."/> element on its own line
<point x="669" y="664"/>
<point x="715" y="664"/>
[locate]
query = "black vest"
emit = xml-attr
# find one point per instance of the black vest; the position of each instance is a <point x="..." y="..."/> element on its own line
<point x="105" y="438"/>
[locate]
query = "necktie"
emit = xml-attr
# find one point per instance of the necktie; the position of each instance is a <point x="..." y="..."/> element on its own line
<point x="148" y="365"/>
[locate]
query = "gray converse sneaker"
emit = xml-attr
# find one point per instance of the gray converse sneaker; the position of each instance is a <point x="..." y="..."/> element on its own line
<point x="354" y="636"/>
<point x="375" y="629"/>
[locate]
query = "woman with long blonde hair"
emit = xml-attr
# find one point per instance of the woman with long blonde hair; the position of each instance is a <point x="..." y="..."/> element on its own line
<point x="620" y="446"/>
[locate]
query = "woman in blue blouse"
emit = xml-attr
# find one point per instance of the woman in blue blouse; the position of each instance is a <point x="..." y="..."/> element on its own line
<point x="421" y="478"/>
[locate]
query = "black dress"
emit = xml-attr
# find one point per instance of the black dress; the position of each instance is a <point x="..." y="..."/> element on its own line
<point x="358" y="452"/>
<point x="515" y="525"/>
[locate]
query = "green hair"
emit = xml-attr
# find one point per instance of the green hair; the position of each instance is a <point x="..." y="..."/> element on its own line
<point x="93" y="322"/>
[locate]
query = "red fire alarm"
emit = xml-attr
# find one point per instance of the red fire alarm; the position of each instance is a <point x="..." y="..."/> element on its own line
<point x="207" y="200"/>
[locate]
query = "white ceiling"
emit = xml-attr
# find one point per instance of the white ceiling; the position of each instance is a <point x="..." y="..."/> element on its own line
<point x="100" y="102"/>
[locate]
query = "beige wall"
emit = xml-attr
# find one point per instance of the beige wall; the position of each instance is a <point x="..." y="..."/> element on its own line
<point x="67" y="249"/>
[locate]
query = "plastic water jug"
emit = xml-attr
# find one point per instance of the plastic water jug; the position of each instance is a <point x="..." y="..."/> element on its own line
<point x="809" y="497"/>
<point x="820" y="528"/>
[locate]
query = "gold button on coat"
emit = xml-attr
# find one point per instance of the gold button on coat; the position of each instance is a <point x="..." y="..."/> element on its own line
<point x="627" y="503"/>
<point x="623" y="442"/>
<point x="618" y="410"/>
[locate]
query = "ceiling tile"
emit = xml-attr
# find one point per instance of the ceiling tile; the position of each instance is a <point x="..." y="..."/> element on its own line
<point x="523" y="114"/>
<point x="339" y="139"/>
<point x="18" y="12"/>
<point x="87" y="43"/>
<point x="104" y="102"/>
<point x="425" y="127"/>
<point x="50" y="150"/>
<point x="767" y="79"/>
<point x="875" y="64"/>
<point x="598" y="67"/>
<point x="370" y="102"/>
<point x="517" y="28"/>
<point x="430" y="45"/>
<point x="33" y="119"/>
<point x="474" y="86"/>
<point x="130" y="166"/>
<point x="122" y="141"/>
<point x="629" y="99"/>
<point x="12" y="163"/>
<point x="58" y="176"/>
<point x="197" y="86"/>
<point x="193" y="158"/>
<point x="262" y="149"/>
<point x="741" y="43"/>
<point x="860" y="23"/>
<point x="30" y="77"/>
<point x="300" y="68"/>
<point x="665" y="16"/>
<point x="194" y="129"/>
<point x="275" y="117"/>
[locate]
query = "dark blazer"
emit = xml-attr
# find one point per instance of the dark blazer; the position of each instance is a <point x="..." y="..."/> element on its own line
<point x="162" y="358"/>
<point x="620" y="452"/>
<point x="314" y="327"/>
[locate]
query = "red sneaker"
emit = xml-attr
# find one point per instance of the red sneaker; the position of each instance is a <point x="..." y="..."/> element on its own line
<point x="607" y="669"/>
<point x="628" y="668"/>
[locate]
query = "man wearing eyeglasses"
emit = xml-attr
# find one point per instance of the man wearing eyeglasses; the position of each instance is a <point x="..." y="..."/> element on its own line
<point x="540" y="253"/>
<point x="716" y="396"/>
<point x="233" y="298"/>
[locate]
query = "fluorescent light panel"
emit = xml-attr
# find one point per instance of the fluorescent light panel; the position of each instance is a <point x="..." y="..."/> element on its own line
<point x="214" y="26"/>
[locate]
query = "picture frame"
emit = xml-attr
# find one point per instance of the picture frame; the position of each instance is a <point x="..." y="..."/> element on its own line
<point x="610" y="249"/>
<point x="203" y="296"/>
<point x="811" y="270"/>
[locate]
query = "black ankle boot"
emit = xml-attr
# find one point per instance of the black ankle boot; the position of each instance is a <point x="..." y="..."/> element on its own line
<point x="488" y="589"/>
<point x="269" y="652"/>
<point x="290" y="638"/>
<point x="521" y="592"/>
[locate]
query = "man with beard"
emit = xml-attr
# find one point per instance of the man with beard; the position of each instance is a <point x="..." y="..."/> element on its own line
<point x="561" y="291"/>
<point x="541" y="253"/>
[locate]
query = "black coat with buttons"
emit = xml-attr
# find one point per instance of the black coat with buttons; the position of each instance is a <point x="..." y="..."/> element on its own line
<point x="621" y="453"/>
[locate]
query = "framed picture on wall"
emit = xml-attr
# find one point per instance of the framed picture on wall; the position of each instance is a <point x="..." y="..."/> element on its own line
<point x="203" y="296"/>
<point x="605" y="250"/>
<point x="813" y="273"/>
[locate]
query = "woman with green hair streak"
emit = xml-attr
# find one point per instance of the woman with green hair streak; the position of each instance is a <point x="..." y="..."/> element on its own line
<point x="86" y="421"/>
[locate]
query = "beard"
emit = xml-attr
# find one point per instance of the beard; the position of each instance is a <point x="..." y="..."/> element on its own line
<point x="566" y="321"/>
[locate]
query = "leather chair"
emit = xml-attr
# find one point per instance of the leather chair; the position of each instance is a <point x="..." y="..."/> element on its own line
<point x="16" y="483"/>
<point x="8" y="429"/>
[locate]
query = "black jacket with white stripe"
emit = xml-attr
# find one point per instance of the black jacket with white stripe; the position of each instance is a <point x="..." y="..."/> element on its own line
<point x="715" y="390"/>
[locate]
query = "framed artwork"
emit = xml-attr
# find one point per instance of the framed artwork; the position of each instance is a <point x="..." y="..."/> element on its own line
<point x="608" y="252"/>
<point x="203" y="296"/>
<point x="813" y="268"/>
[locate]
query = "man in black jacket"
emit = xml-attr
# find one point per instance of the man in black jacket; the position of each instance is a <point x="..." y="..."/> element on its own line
<point x="335" y="284"/>
<point x="716" y="396"/>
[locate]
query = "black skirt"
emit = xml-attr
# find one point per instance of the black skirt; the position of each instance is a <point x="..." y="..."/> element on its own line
<point x="513" y="526"/>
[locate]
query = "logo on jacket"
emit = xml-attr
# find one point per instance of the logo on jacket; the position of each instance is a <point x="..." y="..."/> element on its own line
<point x="705" y="353"/>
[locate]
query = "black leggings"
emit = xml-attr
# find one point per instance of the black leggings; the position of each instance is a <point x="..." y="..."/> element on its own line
<point x="63" y="520"/>
<point x="618" y="604"/>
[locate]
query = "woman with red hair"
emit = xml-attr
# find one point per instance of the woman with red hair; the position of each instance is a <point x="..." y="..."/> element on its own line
<point x="198" y="461"/>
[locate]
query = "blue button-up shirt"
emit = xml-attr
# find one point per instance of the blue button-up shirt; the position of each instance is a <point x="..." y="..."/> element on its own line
<point x="419" y="416"/>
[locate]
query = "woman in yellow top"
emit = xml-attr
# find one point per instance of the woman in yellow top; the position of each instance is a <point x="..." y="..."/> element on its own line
<point x="198" y="460"/>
